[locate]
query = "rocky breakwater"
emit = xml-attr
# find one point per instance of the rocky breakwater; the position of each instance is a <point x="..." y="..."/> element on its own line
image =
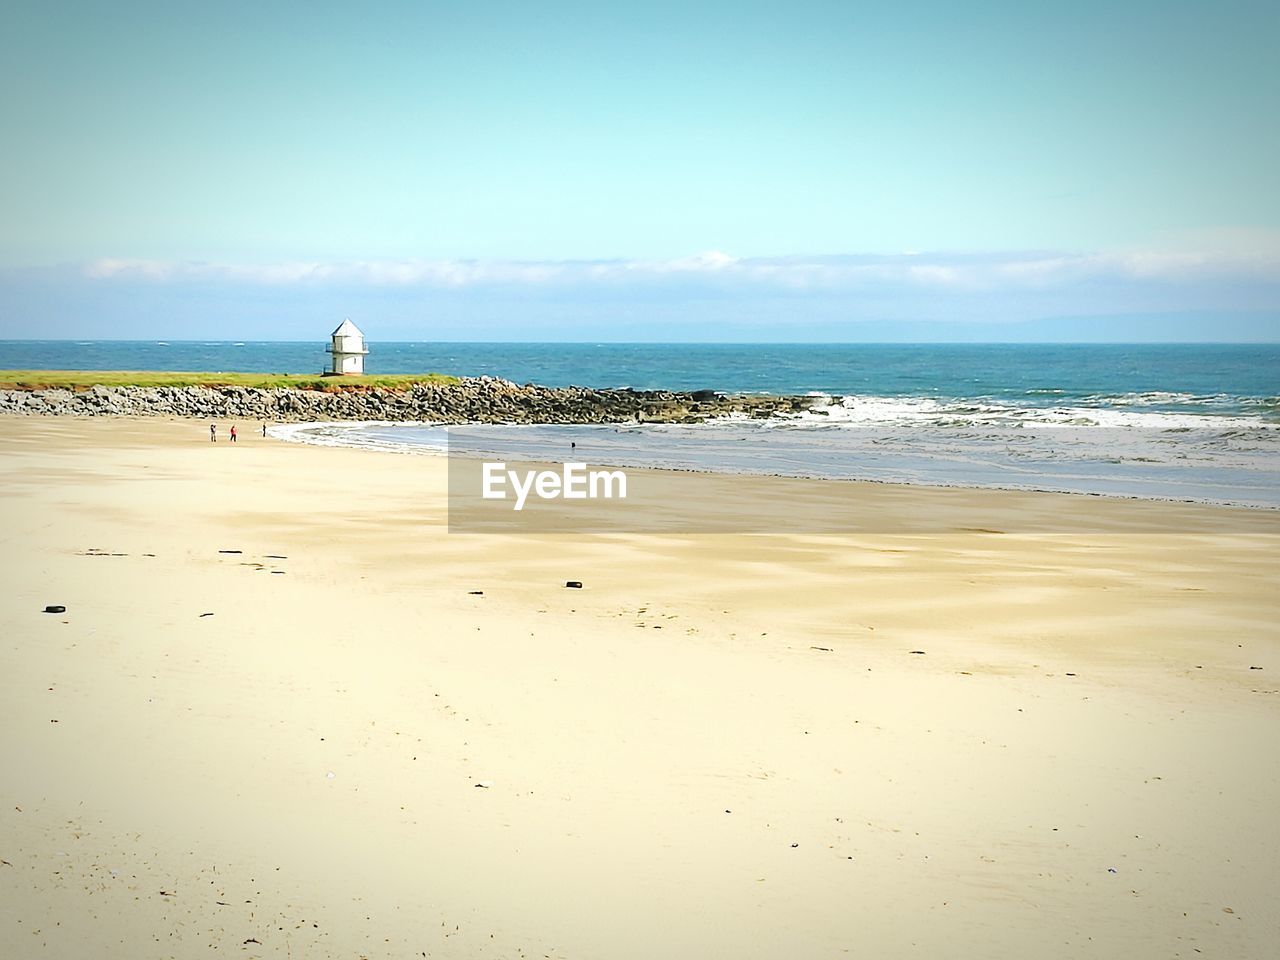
<point x="471" y="400"/>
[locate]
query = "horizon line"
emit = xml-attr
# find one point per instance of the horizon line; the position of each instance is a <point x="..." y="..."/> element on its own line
<point x="708" y="343"/>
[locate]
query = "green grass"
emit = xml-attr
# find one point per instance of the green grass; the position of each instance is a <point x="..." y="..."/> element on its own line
<point x="83" y="379"/>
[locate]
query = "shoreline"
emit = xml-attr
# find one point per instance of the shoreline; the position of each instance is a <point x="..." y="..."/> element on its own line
<point x="298" y="433"/>
<point x="287" y="431"/>
<point x="1007" y="502"/>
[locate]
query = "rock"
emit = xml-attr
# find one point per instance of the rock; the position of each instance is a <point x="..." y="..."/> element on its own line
<point x="574" y="584"/>
<point x="55" y="608"/>
<point x="471" y="400"/>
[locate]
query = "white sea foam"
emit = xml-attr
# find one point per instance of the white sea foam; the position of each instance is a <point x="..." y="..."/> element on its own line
<point x="364" y="434"/>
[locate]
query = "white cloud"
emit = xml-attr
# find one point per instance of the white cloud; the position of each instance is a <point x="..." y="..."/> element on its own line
<point x="957" y="272"/>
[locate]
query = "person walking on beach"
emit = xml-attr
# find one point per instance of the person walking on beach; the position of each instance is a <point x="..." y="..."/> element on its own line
<point x="264" y="429"/>
<point x="213" y="433"/>
<point x="233" y="433"/>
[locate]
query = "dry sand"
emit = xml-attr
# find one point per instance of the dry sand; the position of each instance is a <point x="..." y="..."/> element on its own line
<point x="722" y="746"/>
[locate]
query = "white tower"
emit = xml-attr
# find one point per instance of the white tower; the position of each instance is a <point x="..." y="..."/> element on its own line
<point x="348" y="350"/>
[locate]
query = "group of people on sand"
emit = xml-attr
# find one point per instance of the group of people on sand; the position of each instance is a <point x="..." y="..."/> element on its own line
<point x="213" y="432"/>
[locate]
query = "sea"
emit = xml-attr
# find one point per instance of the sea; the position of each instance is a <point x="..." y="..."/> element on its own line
<point x="1197" y="422"/>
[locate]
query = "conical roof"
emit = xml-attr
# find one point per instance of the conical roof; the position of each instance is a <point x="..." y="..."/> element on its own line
<point x="347" y="329"/>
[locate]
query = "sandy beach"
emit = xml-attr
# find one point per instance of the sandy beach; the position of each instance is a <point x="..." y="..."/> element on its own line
<point x="286" y="713"/>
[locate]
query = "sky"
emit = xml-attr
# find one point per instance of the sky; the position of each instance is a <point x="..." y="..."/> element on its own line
<point x="738" y="171"/>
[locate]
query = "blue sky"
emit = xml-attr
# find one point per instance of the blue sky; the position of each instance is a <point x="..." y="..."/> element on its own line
<point x="598" y="171"/>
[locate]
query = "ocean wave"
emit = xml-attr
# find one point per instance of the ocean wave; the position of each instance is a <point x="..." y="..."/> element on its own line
<point x="1266" y="404"/>
<point x="915" y="411"/>
<point x="1157" y="398"/>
